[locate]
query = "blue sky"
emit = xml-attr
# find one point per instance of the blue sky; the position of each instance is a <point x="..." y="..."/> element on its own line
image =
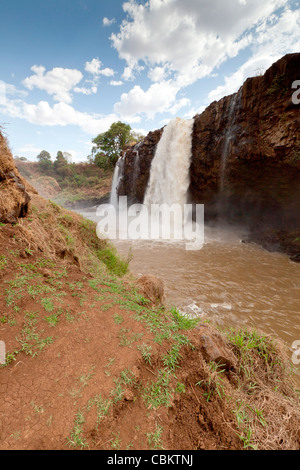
<point x="70" y="68"/>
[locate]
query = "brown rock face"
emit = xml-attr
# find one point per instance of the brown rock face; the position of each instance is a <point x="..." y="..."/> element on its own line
<point x="245" y="154"/>
<point x="136" y="166"/>
<point x="14" y="198"/>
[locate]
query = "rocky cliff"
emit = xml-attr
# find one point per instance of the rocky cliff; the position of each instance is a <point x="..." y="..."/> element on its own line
<point x="246" y="151"/>
<point x="246" y="155"/>
<point x="14" y="191"/>
<point x="136" y="164"/>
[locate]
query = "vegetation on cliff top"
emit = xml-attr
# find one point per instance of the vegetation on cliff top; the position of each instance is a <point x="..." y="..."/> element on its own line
<point x="71" y="184"/>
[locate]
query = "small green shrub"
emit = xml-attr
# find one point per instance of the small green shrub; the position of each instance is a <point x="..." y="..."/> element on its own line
<point x="114" y="263"/>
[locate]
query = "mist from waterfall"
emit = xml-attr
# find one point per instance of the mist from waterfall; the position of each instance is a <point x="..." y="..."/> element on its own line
<point x="170" y="169"/>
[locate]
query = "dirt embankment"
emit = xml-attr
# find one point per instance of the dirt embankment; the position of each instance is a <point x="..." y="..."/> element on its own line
<point x="95" y="361"/>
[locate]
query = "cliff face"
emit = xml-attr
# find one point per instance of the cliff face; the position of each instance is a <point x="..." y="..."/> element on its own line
<point x="246" y="151"/>
<point x="246" y="154"/>
<point x="136" y="164"/>
<point x="14" y="198"/>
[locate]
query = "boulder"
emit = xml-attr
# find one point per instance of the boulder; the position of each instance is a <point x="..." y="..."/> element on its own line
<point x="152" y="288"/>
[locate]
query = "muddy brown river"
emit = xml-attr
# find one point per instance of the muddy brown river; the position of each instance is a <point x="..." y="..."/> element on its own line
<point x="230" y="282"/>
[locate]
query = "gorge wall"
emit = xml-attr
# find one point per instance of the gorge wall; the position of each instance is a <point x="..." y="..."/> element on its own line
<point x="245" y="157"/>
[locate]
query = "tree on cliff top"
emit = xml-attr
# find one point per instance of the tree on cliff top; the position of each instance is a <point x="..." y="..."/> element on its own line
<point x="109" y="144"/>
<point x="61" y="164"/>
<point x="44" y="159"/>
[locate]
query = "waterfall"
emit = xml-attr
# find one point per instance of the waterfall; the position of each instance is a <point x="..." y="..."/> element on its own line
<point x="116" y="180"/>
<point x="169" y="175"/>
<point x="136" y="168"/>
<point x="230" y="132"/>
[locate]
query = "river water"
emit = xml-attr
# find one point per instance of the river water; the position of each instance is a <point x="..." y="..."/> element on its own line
<point x="227" y="281"/>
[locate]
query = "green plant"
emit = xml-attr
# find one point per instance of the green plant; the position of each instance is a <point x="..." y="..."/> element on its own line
<point x="171" y="359"/>
<point x="37" y="409"/>
<point x="146" y="353"/>
<point x="48" y="305"/>
<point x="31" y="342"/>
<point x="102" y="406"/>
<point x="9" y="358"/>
<point x="180" y="388"/>
<point x="278" y="86"/>
<point x="247" y="417"/>
<point x="3" y="262"/>
<point x="115" y="442"/>
<point x="158" y="393"/>
<point x="76" y="440"/>
<point x="110" y="363"/>
<point x="118" y="319"/>
<point x="183" y="321"/>
<point x="155" y="438"/>
<point x="128" y="378"/>
<point x="113" y="262"/>
<point x="215" y="384"/>
<point x="251" y="346"/>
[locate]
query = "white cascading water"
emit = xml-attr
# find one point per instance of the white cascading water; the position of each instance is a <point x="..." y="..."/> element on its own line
<point x="115" y="183"/>
<point x="169" y="175"/>
<point x="230" y="132"/>
<point x="164" y="214"/>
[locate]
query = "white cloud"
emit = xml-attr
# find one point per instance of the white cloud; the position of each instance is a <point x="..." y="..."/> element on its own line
<point x="128" y="74"/>
<point x="193" y="111"/>
<point x="185" y="37"/>
<point x="86" y="91"/>
<point x="29" y="150"/>
<point x="60" y="114"/>
<point x="58" y="82"/>
<point x="107" y="72"/>
<point x="178" y="105"/>
<point x="108" y="22"/>
<point x="130" y="71"/>
<point x="156" y="74"/>
<point x="269" y="45"/>
<point x="140" y="131"/>
<point x="94" y="67"/>
<point x="160" y="97"/>
<point x="116" y="83"/>
<point x="7" y="90"/>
